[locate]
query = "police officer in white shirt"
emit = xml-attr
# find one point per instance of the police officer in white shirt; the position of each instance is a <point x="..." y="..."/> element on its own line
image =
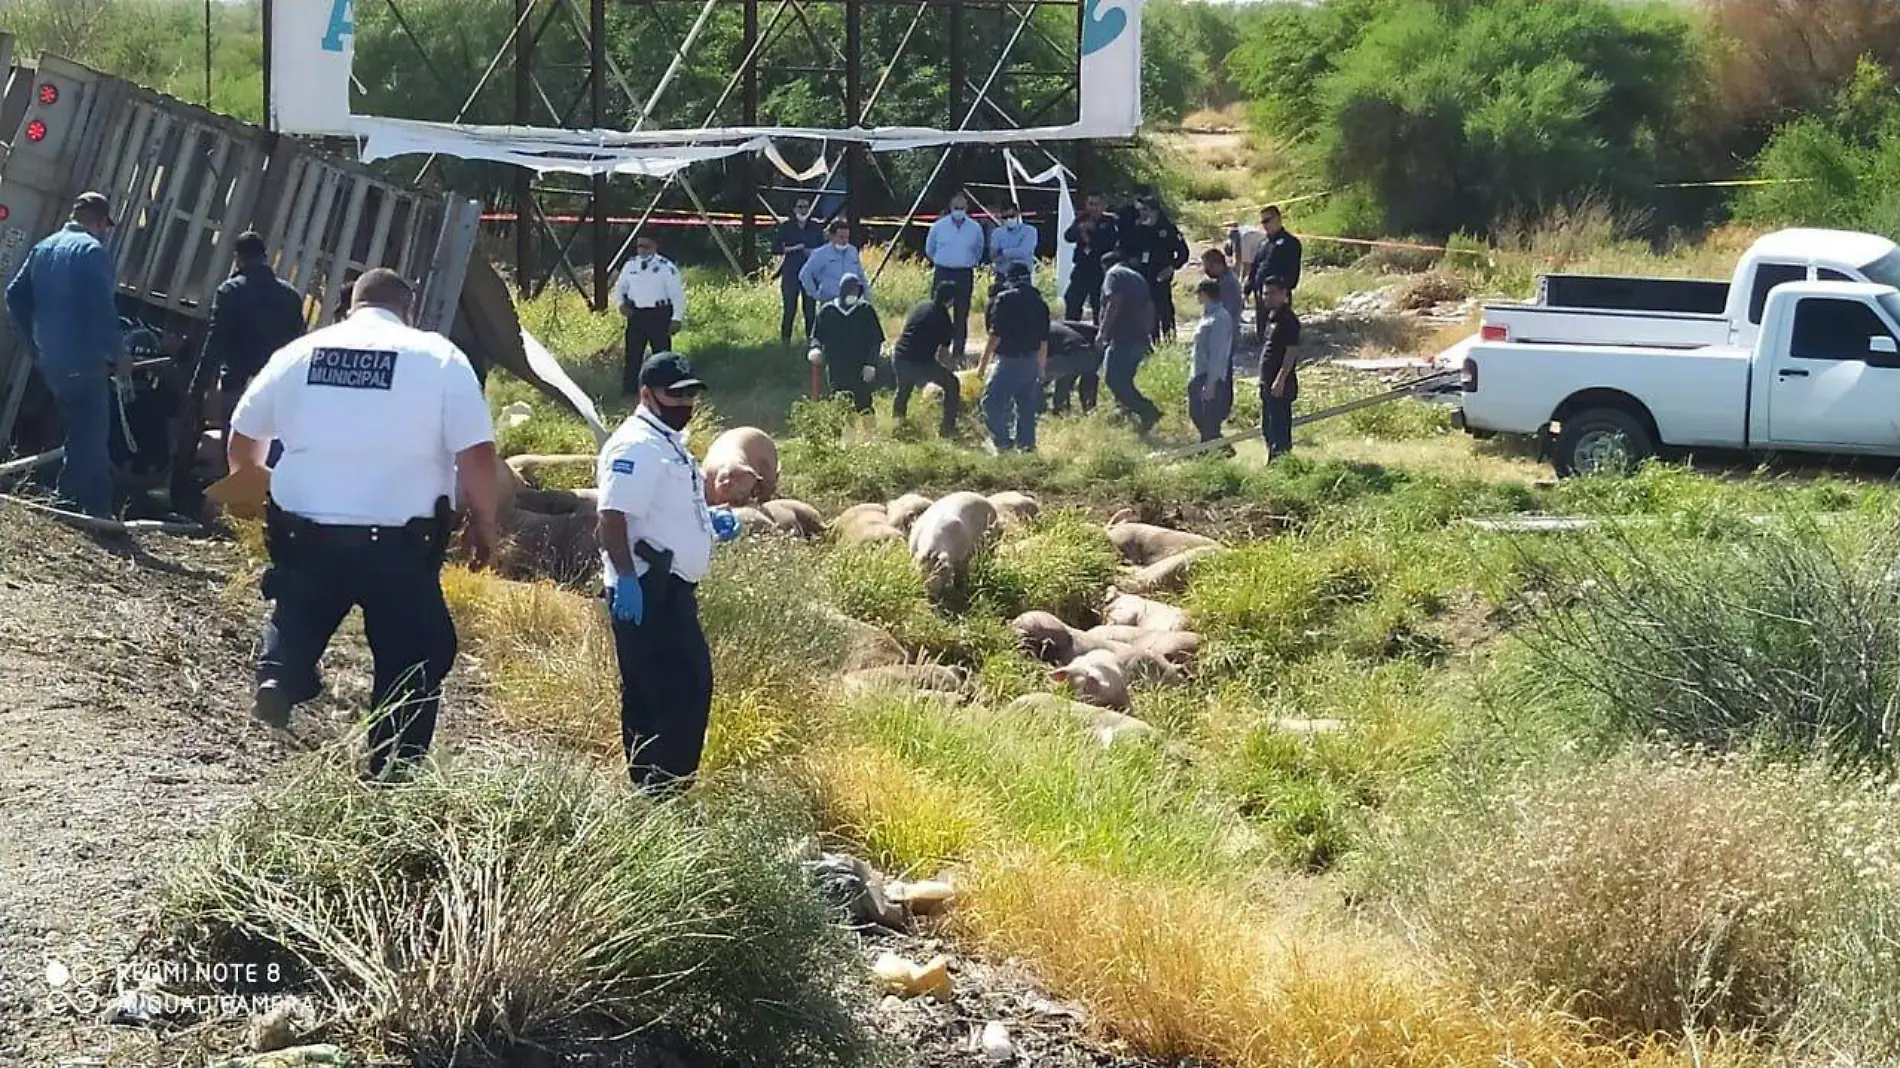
<point x="656" y="537"/>
<point x="380" y="423"/>
<point x="653" y="298"/>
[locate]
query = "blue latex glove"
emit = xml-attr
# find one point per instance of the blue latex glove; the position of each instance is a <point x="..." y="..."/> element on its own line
<point x="725" y="524"/>
<point x="629" y="604"/>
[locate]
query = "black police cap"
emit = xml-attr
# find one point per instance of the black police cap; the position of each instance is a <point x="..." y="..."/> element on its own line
<point x="669" y="372"/>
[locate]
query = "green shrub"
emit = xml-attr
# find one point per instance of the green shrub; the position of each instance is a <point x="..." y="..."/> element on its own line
<point x="1060" y="565"/>
<point x="1789" y="635"/>
<point x="495" y="905"/>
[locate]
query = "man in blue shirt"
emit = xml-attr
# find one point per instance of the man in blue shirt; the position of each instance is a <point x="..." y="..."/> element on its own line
<point x="1013" y="243"/>
<point x="64" y="302"/>
<point x="824" y="271"/>
<point x="954" y="247"/>
<point x="793" y="242"/>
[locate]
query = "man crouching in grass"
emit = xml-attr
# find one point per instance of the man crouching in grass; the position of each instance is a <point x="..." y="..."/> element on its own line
<point x="846" y="340"/>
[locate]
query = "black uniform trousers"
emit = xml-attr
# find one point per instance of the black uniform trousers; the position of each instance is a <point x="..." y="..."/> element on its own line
<point x="1085" y="288"/>
<point x="1161" y="290"/>
<point x="914" y="375"/>
<point x="666" y="684"/>
<point x="647" y="328"/>
<point x="316" y="580"/>
<point x="964" y="280"/>
<point x="792" y="297"/>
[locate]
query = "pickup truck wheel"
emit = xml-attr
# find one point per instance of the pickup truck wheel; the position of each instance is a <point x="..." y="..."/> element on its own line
<point x="1602" y="441"/>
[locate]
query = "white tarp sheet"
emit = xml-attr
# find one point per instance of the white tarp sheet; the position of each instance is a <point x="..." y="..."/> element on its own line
<point x="543" y="363"/>
<point x="1065" y="212"/>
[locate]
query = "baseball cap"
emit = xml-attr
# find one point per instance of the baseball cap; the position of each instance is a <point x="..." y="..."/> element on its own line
<point x="669" y="372"/>
<point x="92" y="203"/>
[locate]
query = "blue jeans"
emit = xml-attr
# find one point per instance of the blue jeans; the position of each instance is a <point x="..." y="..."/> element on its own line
<point x="1121" y="362"/>
<point x="85" y="407"/>
<point x="1011" y="398"/>
<point x="411" y="637"/>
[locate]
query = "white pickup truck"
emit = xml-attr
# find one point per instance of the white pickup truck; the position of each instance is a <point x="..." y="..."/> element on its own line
<point x="1689" y="313"/>
<point x="1822" y="375"/>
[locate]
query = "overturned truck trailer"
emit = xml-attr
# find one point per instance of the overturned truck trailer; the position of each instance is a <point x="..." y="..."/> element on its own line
<point x="185" y="182"/>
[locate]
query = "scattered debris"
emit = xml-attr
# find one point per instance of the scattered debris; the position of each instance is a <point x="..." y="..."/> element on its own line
<point x="994" y="1043"/>
<point x="926" y="898"/>
<point x="295" y="1057"/>
<point x="280" y="1028"/>
<point x="907" y="979"/>
<point x="858" y="889"/>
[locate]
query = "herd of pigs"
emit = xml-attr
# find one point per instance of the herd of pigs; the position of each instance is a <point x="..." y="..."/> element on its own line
<point x="1138" y="641"/>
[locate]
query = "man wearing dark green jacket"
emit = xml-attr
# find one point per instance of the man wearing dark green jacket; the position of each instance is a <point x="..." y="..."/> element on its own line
<point x="846" y="341"/>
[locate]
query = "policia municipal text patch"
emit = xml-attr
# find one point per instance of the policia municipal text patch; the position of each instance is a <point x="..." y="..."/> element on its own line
<point x="352" y="368"/>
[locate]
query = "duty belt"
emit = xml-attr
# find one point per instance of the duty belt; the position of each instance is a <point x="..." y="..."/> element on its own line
<point x="286" y="532"/>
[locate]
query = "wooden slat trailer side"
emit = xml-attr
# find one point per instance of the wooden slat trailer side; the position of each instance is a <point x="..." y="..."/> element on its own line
<point x="184" y="182"/>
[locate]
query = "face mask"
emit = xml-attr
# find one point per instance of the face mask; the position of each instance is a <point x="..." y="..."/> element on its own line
<point x="646" y="258"/>
<point x="674" y="417"/>
<point x="1011" y="224"/>
<point x="849" y="300"/>
<point x="958" y="214"/>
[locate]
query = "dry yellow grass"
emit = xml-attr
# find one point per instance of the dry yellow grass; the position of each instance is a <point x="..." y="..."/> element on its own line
<point x="1199" y="973"/>
<point x="1240" y="976"/>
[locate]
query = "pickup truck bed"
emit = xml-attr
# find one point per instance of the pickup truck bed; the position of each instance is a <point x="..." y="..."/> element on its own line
<point x="1692" y="296"/>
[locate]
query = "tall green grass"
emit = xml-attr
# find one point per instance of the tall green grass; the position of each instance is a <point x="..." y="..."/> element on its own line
<point x="498" y="905"/>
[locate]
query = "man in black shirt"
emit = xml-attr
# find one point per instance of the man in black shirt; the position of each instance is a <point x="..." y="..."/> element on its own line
<point x="917" y="358"/>
<point x="1279" y="366"/>
<point x="792" y="243"/>
<point x="1019" y="342"/>
<point x="253" y="314"/>
<point x="1094" y="235"/>
<point x="1075" y="365"/>
<point x="1156" y="248"/>
<point x="1279" y="257"/>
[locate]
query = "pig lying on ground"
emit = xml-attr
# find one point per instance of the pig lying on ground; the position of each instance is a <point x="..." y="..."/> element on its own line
<point x="864" y="522"/>
<point x="1107" y="726"/>
<point x="754" y="521"/>
<point x="1177" y="647"/>
<point x="870" y="646"/>
<point x="1102" y="676"/>
<point x="794" y="517"/>
<point x="1144" y="543"/>
<point x="1168" y="574"/>
<point x="1045" y="637"/>
<point x="1129" y="610"/>
<point x="904" y="511"/>
<point x="905" y="677"/>
<point x="741" y="467"/>
<point x="530" y="466"/>
<point x="947" y="536"/>
<point x="1014" y="509"/>
<point x="565" y="548"/>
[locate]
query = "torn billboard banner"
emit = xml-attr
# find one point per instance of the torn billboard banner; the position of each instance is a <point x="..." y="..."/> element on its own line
<point x="313" y="48"/>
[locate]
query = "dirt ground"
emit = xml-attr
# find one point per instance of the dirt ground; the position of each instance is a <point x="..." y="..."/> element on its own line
<point x="125" y="734"/>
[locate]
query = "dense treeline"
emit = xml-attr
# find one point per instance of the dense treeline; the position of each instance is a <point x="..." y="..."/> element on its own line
<point x="1433" y="116"/>
<point x="1418" y="116"/>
